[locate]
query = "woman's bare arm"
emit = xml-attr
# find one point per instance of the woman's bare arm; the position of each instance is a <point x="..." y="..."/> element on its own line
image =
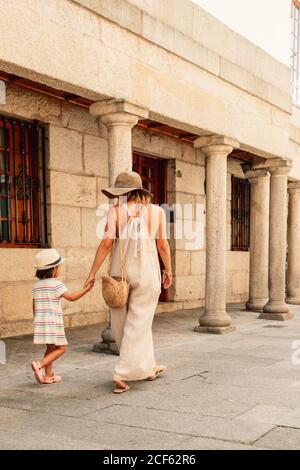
<point x="164" y="249"/>
<point x="102" y="251"/>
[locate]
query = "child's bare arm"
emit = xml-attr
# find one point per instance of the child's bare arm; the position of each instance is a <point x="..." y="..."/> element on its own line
<point x="76" y="295"/>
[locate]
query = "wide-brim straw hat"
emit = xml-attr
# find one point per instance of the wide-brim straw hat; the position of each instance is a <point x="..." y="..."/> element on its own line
<point x="47" y="259"/>
<point x="125" y="182"/>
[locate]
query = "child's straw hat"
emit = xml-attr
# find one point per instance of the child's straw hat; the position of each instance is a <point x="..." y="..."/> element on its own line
<point x="47" y="259"/>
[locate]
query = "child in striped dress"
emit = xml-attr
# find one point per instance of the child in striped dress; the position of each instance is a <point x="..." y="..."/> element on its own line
<point x="48" y="317"/>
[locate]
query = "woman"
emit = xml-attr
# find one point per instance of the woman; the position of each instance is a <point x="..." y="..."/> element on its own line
<point x="138" y="228"/>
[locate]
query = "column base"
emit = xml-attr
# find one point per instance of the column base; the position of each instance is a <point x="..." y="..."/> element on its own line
<point x="276" y="316"/>
<point x="293" y="300"/>
<point x="108" y="344"/>
<point x="106" y="348"/>
<point x="276" y="307"/>
<point x="256" y="305"/>
<point x="216" y="330"/>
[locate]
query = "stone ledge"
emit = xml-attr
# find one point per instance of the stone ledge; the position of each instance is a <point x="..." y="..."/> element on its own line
<point x="25" y="327"/>
<point x="178" y="34"/>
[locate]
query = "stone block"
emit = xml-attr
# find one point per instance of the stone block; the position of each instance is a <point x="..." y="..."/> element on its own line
<point x="89" y="224"/>
<point x="79" y="263"/>
<point x="101" y="184"/>
<point x="188" y="153"/>
<point x="158" y="32"/>
<point x="183" y="263"/>
<point x="198" y="263"/>
<point x="65" y="226"/>
<point x="184" y="206"/>
<point x="30" y="105"/>
<point x="237" y="261"/>
<point x="93" y="300"/>
<point x="17" y="264"/>
<point x="240" y="283"/>
<point x="156" y="144"/>
<point x="87" y="318"/>
<point x="189" y="287"/>
<point x="73" y="190"/>
<point x="189" y="234"/>
<point x="17" y="302"/>
<point x="200" y="158"/>
<point x="189" y="178"/>
<point x="73" y="307"/>
<point x="79" y="119"/>
<point x="65" y="150"/>
<point x="95" y="156"/>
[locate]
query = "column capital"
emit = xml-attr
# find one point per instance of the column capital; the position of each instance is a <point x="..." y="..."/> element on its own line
<point x="253" y="176"/>
<point x="120" y="107"/>
<point x="294" y="187"/>
<point x="276" y="166"/>
<point x="210" y="144"/>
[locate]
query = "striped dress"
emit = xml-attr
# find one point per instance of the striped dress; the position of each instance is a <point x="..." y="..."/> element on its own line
<point x="48" y="316"/>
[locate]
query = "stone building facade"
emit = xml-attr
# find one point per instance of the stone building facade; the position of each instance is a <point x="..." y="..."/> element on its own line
<point x="110" y="79"/>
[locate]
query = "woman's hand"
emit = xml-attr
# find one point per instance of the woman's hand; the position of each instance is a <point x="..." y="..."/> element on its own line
<point x="167" y="280"/>
<point x="90" y="280"/>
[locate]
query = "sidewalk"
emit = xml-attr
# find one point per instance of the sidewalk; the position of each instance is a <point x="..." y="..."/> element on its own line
<point x="237" y="391"/>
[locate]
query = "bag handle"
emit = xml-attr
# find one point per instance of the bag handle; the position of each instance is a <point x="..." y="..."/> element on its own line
<point x="122" y="254"/>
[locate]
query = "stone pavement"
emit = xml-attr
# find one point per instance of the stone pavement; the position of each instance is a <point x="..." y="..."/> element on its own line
<point x="237" y="391"/>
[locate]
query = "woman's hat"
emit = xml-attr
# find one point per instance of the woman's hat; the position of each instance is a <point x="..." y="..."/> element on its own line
<point x="47" y="259"/>
<point x="125" y="182"/>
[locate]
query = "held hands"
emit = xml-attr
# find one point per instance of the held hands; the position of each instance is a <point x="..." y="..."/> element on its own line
<point x="89" y="286"/>
<point x="90" y="280"/>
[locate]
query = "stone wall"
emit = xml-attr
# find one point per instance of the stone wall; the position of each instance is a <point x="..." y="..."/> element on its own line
<point x="205" y="76"/>
<point x="77" y="170"/>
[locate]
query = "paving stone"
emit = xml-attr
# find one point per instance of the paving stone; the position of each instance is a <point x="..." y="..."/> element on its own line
<point x="183" y="423"/>
<point x="281" y="439"/>
<point x="238" y="391"/>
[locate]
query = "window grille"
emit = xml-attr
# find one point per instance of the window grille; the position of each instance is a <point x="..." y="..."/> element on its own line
<point x="23" y="219"/>
<point x="240" y="214"/>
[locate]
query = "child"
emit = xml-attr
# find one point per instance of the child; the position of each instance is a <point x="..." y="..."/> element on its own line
<point x="48" y="316"/>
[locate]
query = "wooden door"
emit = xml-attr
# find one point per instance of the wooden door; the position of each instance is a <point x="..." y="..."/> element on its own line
<point x="153" y="173"/>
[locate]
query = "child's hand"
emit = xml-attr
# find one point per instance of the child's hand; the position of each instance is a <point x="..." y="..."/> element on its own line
<point x="90" y="286"/>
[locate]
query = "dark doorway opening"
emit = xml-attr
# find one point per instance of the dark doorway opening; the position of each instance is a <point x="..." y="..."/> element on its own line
<point x="153" y="172"/>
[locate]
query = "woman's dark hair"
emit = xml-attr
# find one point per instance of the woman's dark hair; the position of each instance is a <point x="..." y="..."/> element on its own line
<point x="44" y="273"/>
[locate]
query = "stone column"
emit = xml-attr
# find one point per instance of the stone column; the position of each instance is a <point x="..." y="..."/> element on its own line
<point x="276" y="308"/>
<point x="216" y="148"/>
<point x="259" y="239"/>
<point x="293" y="287"/>
<point x="119" y="116"/>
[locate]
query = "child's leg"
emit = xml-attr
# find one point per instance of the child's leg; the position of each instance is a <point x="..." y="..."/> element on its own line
<point x="52" y="356"/>
<point x="48" y="367"/>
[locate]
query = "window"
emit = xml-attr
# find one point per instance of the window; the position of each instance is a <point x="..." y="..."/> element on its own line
<point x="22" y="183"/>
<point x="240" y="214"/>
<point x="295" y="52"/>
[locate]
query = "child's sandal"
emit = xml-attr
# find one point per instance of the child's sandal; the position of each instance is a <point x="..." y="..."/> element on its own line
<point x="51" y="380"/>
<point x="36" y="367"/>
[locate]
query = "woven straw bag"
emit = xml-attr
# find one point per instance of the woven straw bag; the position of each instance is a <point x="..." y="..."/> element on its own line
<point x="115" y="289"/>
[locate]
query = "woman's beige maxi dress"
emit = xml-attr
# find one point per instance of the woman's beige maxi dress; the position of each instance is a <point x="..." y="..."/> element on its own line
<point x="132" y="324"/>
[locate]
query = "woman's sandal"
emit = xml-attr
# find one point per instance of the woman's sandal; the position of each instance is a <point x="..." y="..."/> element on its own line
<point x="53" y="379"/>
<point x="159" y="370"/>
<point x="36" y="367"/>
<point x="120" y="386"/>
